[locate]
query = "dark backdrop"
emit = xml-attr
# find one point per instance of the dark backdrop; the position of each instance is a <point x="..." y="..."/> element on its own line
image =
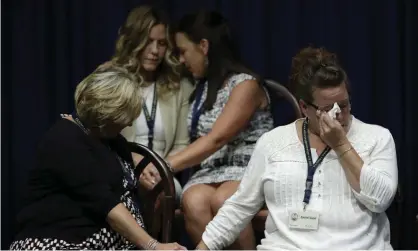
<point x="48" y="46"/>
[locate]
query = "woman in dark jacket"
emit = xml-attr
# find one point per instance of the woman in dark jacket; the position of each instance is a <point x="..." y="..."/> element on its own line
<point x="81" y="192"/>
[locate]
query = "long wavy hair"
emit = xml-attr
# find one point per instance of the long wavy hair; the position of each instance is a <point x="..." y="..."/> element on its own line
<point x="132" y="40"/>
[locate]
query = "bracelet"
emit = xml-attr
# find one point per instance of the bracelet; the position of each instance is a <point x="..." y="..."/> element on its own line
<point x="341" y="144"/>
<point x="152" y="244"/>
<point x="349" y="149"/>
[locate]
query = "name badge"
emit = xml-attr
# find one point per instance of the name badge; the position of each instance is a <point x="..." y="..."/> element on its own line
<point x="307" y="220"/>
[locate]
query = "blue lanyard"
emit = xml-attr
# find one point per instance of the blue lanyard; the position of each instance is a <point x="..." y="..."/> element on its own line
<point x="311" y="166"/>
<point x="150" y="119"/>
<point x="197" y="110"/>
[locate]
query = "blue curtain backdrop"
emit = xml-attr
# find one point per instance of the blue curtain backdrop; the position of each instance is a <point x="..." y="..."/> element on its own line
<point x="48" y="46"/>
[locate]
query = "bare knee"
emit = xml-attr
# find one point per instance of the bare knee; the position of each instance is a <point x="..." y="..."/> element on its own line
<point x="217" y="200"/>
<point x="196" y="203"/>
<point x="223" y="193"/>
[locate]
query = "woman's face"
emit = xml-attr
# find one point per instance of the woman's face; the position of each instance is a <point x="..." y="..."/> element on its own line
<point x="154" y="52"/>
<point x="323" y="100"/>
<point x="192" y="55"/>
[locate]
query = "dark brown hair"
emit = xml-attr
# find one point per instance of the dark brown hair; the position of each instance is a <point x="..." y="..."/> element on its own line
<point x="223" y="55"/>
<point x="315" y="68"/>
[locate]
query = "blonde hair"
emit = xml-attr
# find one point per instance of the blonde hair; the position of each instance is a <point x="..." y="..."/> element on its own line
<point x="110" y="95"/>
<point x="132" y="40"/>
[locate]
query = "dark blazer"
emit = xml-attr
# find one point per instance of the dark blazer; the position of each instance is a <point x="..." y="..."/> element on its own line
<point x="75" y="183"/>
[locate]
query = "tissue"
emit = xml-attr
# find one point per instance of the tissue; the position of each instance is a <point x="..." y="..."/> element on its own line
<point x="333" y="112"/>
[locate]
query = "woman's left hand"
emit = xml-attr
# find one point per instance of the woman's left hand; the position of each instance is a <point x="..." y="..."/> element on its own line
<point x="331" y="131"/>
<point x="169" y="246"/>
<point x="150" y="177"/>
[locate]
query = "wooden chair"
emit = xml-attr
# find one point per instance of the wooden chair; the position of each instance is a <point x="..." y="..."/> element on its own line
<point x="150" y="197"/>
<point x="281" y="92"/>
<point x="394" y="213"/>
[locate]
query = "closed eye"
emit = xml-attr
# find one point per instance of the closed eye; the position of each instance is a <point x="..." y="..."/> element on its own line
<point x="162" y="42"/>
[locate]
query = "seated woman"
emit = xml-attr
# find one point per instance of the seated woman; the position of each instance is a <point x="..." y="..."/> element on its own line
<point x="145" y="48"/>
<point x="80" y="194"/>
<point x="229" y="112"/>
<point x="327" y="179"/>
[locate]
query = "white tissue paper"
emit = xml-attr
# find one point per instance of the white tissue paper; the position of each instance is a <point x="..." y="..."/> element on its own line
<point x="333" y="112"/>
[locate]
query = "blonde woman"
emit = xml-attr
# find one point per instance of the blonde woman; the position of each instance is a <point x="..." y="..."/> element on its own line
<point x="145" y="48"/>
<point x="79" y="194"/>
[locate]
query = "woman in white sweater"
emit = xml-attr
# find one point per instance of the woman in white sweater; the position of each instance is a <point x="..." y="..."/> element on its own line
<point x="327" y="179"/>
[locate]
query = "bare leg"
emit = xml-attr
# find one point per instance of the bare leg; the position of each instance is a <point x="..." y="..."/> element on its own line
<point x="197" y="209"/>
<point x="246" y="240"/>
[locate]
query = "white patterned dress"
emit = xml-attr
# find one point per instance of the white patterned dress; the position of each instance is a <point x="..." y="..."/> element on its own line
<point x="229" y="162"/>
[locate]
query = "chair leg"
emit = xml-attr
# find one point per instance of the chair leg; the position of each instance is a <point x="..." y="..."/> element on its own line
<point x="167" y="219"/>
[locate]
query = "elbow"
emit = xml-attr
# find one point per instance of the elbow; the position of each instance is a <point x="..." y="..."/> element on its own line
<point x="378" y="202"/>
<point x="385" y="200"/>
<point x="377" y="189"/>
<point x="380" y="207"/>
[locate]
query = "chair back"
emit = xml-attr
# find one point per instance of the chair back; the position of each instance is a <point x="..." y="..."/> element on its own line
<point x="166" y="186"/>
<point x="394" y="213"/>
<point x="279" y="93"/>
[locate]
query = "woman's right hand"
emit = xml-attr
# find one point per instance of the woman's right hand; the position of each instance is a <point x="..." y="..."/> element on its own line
<point x="169" y="246"/>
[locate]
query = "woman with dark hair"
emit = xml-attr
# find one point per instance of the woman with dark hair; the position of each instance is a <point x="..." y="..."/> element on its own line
<point x="229" y="112"/>
<point x="326" y="179"/>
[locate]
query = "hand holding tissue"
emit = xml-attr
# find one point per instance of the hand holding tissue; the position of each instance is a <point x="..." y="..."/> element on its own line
<point x="335" y="109"/>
